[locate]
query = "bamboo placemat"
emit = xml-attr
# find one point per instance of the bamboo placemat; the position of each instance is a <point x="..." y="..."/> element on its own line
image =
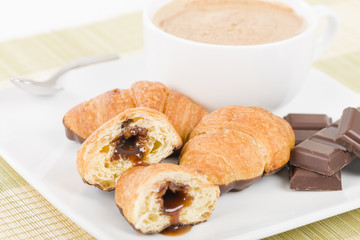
<point x="25" y="214"/>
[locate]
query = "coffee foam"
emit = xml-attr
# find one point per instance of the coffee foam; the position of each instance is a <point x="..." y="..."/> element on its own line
<point x="229" y="22"/>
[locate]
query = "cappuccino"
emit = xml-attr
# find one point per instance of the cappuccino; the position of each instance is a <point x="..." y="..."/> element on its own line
<point x="229" y="22"/>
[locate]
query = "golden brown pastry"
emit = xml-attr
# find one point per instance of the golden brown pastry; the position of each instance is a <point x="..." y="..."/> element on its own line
<point x="85" y="118"/>
<point x="156" y="197"/>
<point x="236" y="145"/>
<point x="137" y="136"/>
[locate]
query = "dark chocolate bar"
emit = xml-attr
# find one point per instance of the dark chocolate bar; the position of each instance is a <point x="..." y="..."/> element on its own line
<point x="302" y="135"/>
<point x="348" y="133"/>
<point x="327" y="136"/>
<point x="306" y="125"/>
<point x="302" y="121"/>
<point x="301" y="179"/>
<point x="319" y="157"/>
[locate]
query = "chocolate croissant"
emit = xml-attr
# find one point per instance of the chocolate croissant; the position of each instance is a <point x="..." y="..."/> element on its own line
<point x="137" y="136"/>
<point x="85" y="118"/>
<point x="236" y="145"/>
<point x="162" y="195"/>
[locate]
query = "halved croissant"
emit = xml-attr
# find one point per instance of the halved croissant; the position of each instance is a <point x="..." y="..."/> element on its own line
<point x="85" y="118"/>
<point x="137" y="136"/>
<point x="236" y="145"/>
<point x="155" y="197"/>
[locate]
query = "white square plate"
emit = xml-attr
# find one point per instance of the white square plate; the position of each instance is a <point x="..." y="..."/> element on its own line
<point x="33" y="142"/>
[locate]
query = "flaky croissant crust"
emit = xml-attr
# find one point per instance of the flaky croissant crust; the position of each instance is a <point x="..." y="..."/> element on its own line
<point x="238" y="143"/>
<point x="85" y="118"/>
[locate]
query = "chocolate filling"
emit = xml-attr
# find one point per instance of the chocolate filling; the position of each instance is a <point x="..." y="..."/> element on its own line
<point x="176" y="230"/>
<point x="130" y="144"/>
<point x="173" y="197"/>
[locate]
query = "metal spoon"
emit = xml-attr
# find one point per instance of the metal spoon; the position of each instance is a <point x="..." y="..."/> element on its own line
<point x="50" y="86"/>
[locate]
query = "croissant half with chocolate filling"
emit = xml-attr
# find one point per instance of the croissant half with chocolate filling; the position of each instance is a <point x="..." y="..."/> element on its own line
<point x="85" y="118"/>
<point x="236" y="145"/>
<point x="137" y="136"/>
<point x="156" y="197"/>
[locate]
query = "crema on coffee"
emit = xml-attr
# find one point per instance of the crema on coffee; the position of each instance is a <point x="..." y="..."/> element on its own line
<point x="229" y="22"/>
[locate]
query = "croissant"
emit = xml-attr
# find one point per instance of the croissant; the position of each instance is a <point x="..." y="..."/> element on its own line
<point x="85" y="118"/>
<point x="137" y="136"/>
<point x="236" y="145"/>
<point x="161" y="195"/>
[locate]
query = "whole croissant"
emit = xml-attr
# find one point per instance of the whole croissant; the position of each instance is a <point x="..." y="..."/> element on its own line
<point x="236" y="145"/>
<point x="85" y="118"/>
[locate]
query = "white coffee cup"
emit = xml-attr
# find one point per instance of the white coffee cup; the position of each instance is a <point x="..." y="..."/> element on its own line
<point x="266" y="75"/>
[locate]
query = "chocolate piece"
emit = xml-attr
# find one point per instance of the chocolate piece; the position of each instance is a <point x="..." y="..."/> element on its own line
<point x="302" y="121"/>
<point x="238" y="185"/>
<point x="348" y="133"/>
<point x="318" y="157"/>
<point x="327" y="136"/>
<point x="301" y="179"/>
<point x="302" y="135"/>
<point x="306" y="125"/>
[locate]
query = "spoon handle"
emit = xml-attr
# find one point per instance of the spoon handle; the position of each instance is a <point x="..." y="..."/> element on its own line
<point x="81" y="63"/>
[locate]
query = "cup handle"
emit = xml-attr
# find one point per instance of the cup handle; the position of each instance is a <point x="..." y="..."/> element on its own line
<point x="329" y="33"/>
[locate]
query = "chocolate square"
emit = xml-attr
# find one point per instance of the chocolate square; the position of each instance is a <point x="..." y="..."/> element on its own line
<point x="327" y="136"/>
<point x="348" y="133"/>
<point x="301" y="179"/>
<point x="302" y="121"/>
<point x="319" y="158"/>
<point x="302" y="135"/>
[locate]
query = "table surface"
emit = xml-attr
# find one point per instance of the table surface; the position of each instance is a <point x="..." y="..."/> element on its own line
<point x="24" y="213"/>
